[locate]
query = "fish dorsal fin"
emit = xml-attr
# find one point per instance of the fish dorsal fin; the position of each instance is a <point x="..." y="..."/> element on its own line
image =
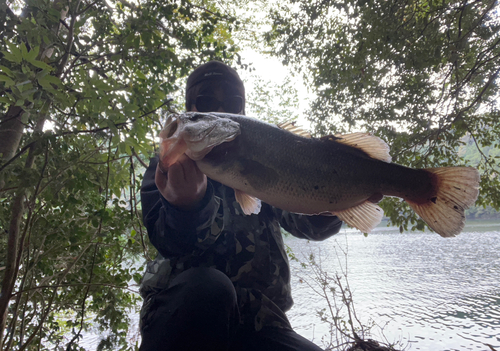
<point x="372" y="145"/>
<point x="249" y="204"/>
<point x="363" y="217"/>
<point x="292" y="128"/>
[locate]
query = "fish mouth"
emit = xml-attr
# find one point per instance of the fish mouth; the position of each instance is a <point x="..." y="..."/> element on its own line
<point x="171" y="146"/>
<point x="170" y="128"/>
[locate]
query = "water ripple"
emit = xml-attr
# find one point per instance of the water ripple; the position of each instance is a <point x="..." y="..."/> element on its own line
<point x="434" y="293"/>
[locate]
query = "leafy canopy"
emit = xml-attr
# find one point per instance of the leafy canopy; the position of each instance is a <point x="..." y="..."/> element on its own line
<point x="83" y="85"/>
<point x="422" y="75"/>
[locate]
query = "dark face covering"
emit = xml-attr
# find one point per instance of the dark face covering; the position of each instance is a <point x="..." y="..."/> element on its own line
<point x="215" y="87"/>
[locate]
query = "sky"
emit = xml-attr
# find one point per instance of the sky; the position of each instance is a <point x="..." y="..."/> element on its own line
<point x="271" y="68"/>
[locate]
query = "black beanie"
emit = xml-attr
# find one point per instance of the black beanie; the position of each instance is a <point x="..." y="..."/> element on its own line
<point x="214" y="70"/>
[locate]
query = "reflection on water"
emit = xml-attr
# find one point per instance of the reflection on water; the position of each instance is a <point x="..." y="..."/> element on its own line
<point x="429" y="292"/>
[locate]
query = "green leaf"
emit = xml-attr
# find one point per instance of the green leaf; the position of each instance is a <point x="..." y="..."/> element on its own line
<point x="15" y="52"/>
<point x="42" y="74"/>
<point x="33" y="54"/>
<point x="132" y="142"/>
<point x="12" y="57"/>
<point x="6" y="71"/>
<point x="53" y="80"/>
<point x="7" y="80"/>
<point x="112" y="126"/>
<point x="41" y="64"/>
<point x="140" y="75"/>
<point x="24" y="50"/>
<point x="47" y="80"/>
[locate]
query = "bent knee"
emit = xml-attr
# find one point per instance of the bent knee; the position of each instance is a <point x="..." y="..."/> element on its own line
<point x="202" y="284"/>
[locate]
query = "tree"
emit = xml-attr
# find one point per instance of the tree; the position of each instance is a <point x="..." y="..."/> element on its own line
<point x="83" y="85"/>
<point x="272" y="102"/>
<point x="422" y="75"/>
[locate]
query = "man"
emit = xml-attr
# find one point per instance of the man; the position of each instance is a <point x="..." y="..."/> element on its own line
<point x="221" y="280"/>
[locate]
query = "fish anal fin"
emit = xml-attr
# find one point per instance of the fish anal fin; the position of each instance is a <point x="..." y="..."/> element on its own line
<point x="457" y="190"/>
<point x="370" y="144"/>
<point x="292" y="128"/>
<point x="249" y="204"/>
<point x="363" y="217"/>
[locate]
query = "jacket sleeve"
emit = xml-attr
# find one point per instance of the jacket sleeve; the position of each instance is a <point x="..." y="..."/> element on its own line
<point x="174" y="232"/>
<point x="315" y="228"/>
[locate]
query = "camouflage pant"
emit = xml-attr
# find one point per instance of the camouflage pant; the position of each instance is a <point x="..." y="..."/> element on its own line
<point x="199" y="311"/>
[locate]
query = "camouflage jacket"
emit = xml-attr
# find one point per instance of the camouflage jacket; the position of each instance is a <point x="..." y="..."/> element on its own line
<point x="248" y="249"/>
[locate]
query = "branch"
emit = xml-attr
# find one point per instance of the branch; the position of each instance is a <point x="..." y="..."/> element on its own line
<point x="74" y="284"/>
<point x="478" y="98"/>
<point x="63" y="276"/>
<point x="118" y="125"/>
<point x="68" y="347"/>
<point x="42" y="321"/>
<point x="22" y="151"/>
<point x="86" y="8"/>
<point x="69" y="45"/>
<point x="11" y="14"/>
<point x="139" y="159"/>
<point x="479" y="21"/>
<point x="134" y="207"/>
<point x="486" y="159"/>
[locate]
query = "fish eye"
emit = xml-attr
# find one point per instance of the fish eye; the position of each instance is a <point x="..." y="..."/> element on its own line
<point x="196" y="117"/>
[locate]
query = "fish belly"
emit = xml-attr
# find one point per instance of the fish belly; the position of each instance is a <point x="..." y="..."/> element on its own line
<point x="295" y="188"/>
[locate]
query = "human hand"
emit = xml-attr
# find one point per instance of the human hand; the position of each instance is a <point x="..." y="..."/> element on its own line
<point x="183" y="185"/>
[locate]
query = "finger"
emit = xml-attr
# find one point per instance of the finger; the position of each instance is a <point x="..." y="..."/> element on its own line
<point x="191" y="171"/>
<point x="176" y="176"/>
<point x="160" y="178"/>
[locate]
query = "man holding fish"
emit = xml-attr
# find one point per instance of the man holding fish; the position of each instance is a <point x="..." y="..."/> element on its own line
<point x="221" y="280"/>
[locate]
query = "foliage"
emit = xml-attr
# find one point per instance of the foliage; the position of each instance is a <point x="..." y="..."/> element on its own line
<point x="275" y="103"/>
<point x="82" y="87"/>
<point x="422" y="75"/>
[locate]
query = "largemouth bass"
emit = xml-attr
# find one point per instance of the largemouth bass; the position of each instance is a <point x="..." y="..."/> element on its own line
<point x="337" y="175"/>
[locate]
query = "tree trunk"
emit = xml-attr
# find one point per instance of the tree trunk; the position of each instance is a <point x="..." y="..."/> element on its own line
<point x="11" y="131"/>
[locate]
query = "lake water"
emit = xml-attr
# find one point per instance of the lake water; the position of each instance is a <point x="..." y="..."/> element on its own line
<point x="425" y="291"/>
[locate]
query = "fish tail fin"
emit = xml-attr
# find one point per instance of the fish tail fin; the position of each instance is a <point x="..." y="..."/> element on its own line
<point x="363" y="217"/>
<point x="457" y="190"/>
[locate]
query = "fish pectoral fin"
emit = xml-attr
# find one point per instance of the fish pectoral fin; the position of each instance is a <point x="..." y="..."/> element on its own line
<point x="363" y="217"/>
<point x="370" y="144"/>
<point x="249" y="204"/>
